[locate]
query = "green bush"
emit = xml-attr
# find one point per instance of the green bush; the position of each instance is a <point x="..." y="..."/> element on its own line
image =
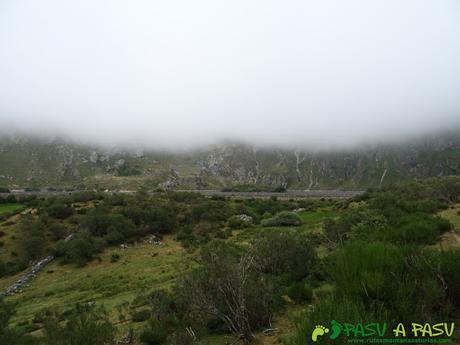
<point x="300" y="292"/>
<point x="402" y="282"/>
<point x="236" y="222"/>
<point x="155" y="334"/>
<point x="115" y="257"/>
<point x="59" y="210"/>
<point x="113" y="227"/>
<point x="80" y="250"/>
<point x="417" y="228"/>
<point x="449" y="269"/>
<point x="283" y="251"/>
<point x="58" y="231"/>
<point x="284" y="218"/>
<point x="11" y="199"/>
<point x="331" y="308"/>
<point x="85" y="325"/>
<point x="226" y="288"/>
<point x="33" y="242"/>
<point x="141" y="315"/>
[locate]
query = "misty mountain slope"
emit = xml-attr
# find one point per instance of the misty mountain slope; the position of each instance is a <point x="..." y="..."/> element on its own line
<point x="32" y="162"/>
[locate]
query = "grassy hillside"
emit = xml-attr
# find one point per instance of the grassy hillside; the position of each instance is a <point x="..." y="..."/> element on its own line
<point x="120" y="279"/>
<point x="314" y="261"/>
<point x="9" y="208"/>
<point x="140" y="268"/>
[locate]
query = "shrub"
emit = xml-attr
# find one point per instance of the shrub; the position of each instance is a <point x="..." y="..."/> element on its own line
<point x="32" y="238"/>
<point x="283" y="252"/>
<point x="11" y="199"/>
<point x="85" y="196"/>
<point x="284" y="218"/>
<point x="262" y="206"/>
<point x="58" y="231"/>
<point x="300" y="292"/>
<point x="85" y="325"/>
<point x="59" y="210"/>
<point x="115" y="257"/>
<point x="331" y="308"/>
<point x="100" y="222"/>
<point x="338" y="230"/>
<point x="208" y="211"/>
<point x="401" y="282"/>
<point x="141" y="315"/>
<point x="227" y="288"/>
<point x="114" y="237"/>
<point x="417" y="228"/>
<point x="239" y="221"/>
<point x="154" y="334"/>
<point x="450" y="271"/>
<point x="80" y="249"/>
<point x="360" y="269"/>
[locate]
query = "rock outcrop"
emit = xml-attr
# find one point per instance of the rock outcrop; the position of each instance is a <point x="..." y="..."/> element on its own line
<point x="29" y="162"/>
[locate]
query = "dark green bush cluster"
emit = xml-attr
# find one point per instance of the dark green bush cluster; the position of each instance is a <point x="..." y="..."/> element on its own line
<point x="81" y="249"/>
<point x="426" y="196"/>
<point x="33" y="239"/>
<point x="9" y="267"/>
<point x="300" y="292"/>
<point x="115" y="257"/>
<point x="237" y="222"/>
<point x="284" y="218"/>
<point x="284" y="252"/>
<point x="418" y="228"/>
<point x="9" y="199"/>
<point x="59" y="210"/>
<point x="115" y="219"/>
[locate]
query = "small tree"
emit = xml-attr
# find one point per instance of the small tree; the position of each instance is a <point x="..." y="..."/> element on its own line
<point x="284" y="251"/>
<point x="59" y="210"/>
<point x="228" y="287"/>
<point x="32" y="238"/>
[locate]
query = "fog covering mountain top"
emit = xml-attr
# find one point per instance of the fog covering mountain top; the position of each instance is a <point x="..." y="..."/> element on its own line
<point x="27" y="162"/>
<point x="185" y="74"/>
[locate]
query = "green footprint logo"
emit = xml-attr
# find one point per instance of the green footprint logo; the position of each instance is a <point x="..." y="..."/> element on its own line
<point x="318" y="331"/>
<point x="336" y="329"/>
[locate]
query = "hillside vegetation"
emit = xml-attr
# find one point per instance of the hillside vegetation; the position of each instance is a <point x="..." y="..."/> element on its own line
<point x="39" y="163"/>
<point x="179" y="268"/>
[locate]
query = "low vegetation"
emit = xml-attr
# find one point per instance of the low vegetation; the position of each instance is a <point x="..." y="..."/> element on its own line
<point x="382" y="266"/>
<point x="239" y="265"/>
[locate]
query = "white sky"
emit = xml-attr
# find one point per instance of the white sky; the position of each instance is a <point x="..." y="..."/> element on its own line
<point x="184" y="72"/>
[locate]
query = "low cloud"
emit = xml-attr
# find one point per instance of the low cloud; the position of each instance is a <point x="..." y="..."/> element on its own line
<point x="183" y="73"/>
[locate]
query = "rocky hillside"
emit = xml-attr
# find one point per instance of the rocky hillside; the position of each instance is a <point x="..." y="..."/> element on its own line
<point x="36" y="163"/>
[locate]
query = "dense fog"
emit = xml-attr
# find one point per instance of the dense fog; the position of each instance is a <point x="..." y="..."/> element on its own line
<point x="184" y="73"/>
